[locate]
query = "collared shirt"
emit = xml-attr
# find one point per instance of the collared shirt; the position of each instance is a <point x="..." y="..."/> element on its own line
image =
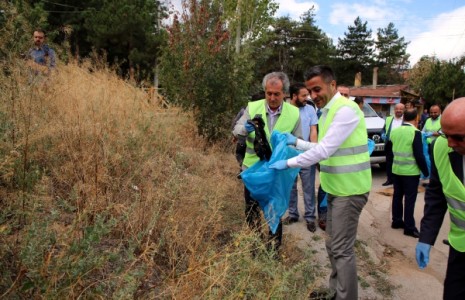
<point x="396" y="122"/>
<point x="345" y="121"/>
<point x="272" y="115"/>
<point x="271" y="118"/>
<point x="308" y="118"/>
<point x="44" y="56"/>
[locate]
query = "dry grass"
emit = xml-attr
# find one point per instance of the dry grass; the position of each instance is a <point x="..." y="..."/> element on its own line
<point x="103" y="195"/>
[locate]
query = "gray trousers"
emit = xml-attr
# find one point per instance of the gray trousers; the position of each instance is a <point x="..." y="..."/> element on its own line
<point x="341" y="229"/>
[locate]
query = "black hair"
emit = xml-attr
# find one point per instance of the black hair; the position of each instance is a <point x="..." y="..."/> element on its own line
<point x="295" y="88"/>
<point x="325" y="72"/>
<point x="358" y="100"/>
<point x="410" y="114"/>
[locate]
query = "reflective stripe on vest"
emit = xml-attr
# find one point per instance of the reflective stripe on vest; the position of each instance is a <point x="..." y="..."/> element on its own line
<point x="454" y="191"/>
<point x="285" y="123"/>
<point x="347" y="172"/>
<point x="404" y="162"/>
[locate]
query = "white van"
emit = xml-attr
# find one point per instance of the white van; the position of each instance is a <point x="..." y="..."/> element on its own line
<point x="375" y="125"/>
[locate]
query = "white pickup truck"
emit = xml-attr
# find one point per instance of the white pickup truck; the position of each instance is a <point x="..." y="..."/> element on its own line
<point x="375" y="125"/>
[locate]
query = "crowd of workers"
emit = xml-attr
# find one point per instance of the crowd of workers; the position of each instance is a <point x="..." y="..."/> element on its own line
<point x="329" y="128"/>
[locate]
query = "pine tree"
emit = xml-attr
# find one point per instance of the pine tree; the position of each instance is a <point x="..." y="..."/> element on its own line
<point x="392" y="57"/>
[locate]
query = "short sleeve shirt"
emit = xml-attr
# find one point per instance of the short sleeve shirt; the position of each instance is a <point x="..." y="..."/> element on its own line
<point x="308" y="118"/>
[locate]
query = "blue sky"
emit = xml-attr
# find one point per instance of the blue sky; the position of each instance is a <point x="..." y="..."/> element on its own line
<point x="432" y="27"/>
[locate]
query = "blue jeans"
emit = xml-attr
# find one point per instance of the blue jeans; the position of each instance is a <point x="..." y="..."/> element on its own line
<point x="307" y="177"/>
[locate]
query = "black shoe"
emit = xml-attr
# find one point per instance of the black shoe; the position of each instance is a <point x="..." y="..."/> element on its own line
<point x="388" y="182"/>
<point x="414" y="233"/>
<point x="311" y="226"/>
<point x="397" y="225"/>
<point x="289" y="220"/>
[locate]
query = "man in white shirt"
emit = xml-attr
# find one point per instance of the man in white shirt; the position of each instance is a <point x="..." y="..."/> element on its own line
<point x="392" y="122"/>
<point x="345" y="174"/>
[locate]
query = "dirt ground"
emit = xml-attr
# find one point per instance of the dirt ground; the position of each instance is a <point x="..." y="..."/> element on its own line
<point x="388" y="248"/>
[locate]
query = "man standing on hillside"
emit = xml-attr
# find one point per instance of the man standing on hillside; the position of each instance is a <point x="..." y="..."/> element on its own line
<point x="309" y="121"/>
<point x="392" y="122"/>
<point x="446" y="192"/>
<point x="276" y="114"/>
<point x="41" y="56"/>
<point x="407" y="146"/>
<point x="345" y="173"/>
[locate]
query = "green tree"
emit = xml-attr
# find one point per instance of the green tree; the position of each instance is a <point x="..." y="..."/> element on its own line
<point x="444" y="81"/>
<point x="292" y="47"/>
<point x="311" y="46"/>
<point x="355" y="52"/>
<point x="200" y="71"/>
<point x="392" y="57"/>
<point x="126" y="30"/>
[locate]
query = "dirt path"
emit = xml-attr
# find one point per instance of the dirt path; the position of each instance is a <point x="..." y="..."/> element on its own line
<point x="389" y="261"/>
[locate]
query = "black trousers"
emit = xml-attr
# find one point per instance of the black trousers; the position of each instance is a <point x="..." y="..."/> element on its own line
<point x="253" y="218"/>
<point x="405" y="187"/>
<point x="454" y="287"/>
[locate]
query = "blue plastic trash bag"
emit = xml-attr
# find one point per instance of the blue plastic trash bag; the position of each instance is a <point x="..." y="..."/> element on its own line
<point x="424" y="136"/>
<point x="371" y="146"/>
<point x="272" y="188"/>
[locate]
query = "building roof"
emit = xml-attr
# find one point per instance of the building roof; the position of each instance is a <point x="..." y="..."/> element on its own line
<point x="388" y="91"/>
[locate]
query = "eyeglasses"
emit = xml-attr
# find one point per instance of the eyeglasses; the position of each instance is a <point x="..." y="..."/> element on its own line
<point x="455" y="137"/>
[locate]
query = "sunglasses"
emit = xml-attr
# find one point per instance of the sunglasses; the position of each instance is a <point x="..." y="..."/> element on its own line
<point x="455" y="137"/>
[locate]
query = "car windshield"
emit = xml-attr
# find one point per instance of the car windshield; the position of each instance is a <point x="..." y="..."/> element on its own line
<point x="368" y="111"/>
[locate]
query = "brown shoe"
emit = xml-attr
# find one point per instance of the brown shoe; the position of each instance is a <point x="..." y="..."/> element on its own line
<point x="322" y="224"/>
<point x="289" y="220"/>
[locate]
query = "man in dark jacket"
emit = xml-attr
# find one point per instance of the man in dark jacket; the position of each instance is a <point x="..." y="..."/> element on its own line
<point x="409" y="160"/>
<point x="446" y="192"/>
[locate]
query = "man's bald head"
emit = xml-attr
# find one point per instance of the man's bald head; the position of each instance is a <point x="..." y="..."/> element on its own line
<point x="452" y="124"/>
<point x="399" y="110"/>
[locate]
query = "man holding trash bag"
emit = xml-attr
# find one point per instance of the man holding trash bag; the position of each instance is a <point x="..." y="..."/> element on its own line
<point x="345" y="173"/>
<point x="276" y="114"/>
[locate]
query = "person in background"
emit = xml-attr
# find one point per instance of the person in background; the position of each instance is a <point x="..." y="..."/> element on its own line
<point x="359" y="101"/>
<point x="41" y="58"/>
<point x="344" y="91"/>
<point x="433" y="124"/>
<point x="446" y="192"/>
<point x="345" y="173"/>
<point x="276" y="114"/>
<point x="309" y="121"/>
<point x="407" y="146"/>
<point x="409" y="105"/>
<point x="423" y="118"/>
<point x="392" y="122"/>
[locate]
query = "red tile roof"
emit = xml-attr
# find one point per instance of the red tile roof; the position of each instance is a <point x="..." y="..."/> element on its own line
<point x="380" y="91"/>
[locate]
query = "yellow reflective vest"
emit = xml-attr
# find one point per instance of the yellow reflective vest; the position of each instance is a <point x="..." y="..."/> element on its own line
<point x="430" y="127"/>
<point x="348" y="171"/>
<point x="404" y="162"/>
<point x="286" y="123"/>
<point x="454" y="191"/>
